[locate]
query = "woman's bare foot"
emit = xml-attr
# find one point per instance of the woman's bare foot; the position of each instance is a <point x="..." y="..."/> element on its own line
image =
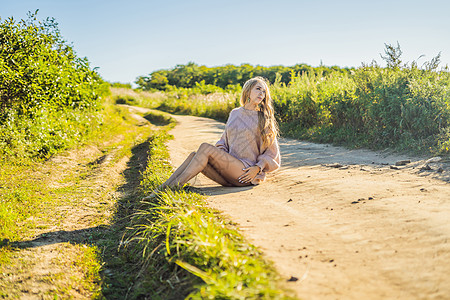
<point x="153" y="194"/>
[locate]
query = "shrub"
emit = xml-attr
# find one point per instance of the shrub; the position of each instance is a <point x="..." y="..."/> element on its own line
<point x="402" y="106"/>
<point x="48" y="95"/>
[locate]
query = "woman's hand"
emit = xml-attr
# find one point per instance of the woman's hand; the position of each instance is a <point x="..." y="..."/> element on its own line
<point x="249" y="174"/>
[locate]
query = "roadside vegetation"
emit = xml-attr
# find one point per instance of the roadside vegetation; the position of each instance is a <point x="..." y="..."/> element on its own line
<point x="49" y="98"/>
<point x="75" y="164"/>
<point x="70" y="150"/>
<point x="179" y="236"/>
<point x="402" y="106"/>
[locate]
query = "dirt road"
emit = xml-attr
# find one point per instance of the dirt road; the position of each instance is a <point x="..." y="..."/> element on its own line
<point x="341" y="224"/>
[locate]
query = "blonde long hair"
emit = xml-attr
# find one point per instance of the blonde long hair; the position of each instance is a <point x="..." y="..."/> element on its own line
<point x="266" y="115"/>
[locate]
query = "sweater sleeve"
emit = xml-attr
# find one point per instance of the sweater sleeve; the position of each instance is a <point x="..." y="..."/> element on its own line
<point x="270" y="159"/>
<point x="223" y="142"/>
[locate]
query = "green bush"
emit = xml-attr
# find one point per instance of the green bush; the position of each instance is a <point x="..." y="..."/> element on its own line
<point x="403" y="103"/>
<point x="129" y="100"/>
<point x="120" y="85"/>
<point x="48" y="95"/>
<point x="225" y="77"/>
<point x="120" y="95"/>
<point x="401" y="106"/>
<point x="46" y="133"/>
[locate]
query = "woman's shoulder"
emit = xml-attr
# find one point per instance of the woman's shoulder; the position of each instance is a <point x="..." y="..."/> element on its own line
<point x="243" y="114"/>
<point x="241" y="111"/>
<point x="236" y="115"/>
<point x="235" y="112"/>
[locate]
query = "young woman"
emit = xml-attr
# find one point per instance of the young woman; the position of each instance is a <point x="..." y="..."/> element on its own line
<point x="247" y="149"/>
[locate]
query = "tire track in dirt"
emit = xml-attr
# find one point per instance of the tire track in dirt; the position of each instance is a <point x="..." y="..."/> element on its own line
<point x="47" y="265"/>
<point x="341" y="224"/>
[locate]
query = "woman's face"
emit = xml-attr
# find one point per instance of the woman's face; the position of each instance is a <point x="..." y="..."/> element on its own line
<point x="257" y="93"/>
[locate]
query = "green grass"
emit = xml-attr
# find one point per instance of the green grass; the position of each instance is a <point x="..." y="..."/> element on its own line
<point x="36" y="195"/>
<point x="25" y="190"/>
<point x="123" y="95"/>
<point x="172" y="248"/>
<point x="178" y="236"/>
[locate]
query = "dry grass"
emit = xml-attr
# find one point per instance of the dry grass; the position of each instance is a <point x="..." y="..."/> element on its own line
<point x="137" y="97"/>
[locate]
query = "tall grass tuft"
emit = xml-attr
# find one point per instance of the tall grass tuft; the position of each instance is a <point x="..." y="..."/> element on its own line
<point x="197" y="245"/>
<point x="122" y="95"/>
<point x="215" y="105"/>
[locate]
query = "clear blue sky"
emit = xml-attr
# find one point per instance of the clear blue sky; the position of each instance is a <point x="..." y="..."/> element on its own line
<point x="126" y="39"/>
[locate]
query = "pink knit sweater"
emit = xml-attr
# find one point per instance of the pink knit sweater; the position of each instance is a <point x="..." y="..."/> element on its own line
<point x="242" y="139"/>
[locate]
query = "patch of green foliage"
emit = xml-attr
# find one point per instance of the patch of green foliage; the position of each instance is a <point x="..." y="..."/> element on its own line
<point x="228" y="77"/>
<point x="137" y="97"/>
<point x="214" y="105"/>
<point x="31" y="198"/>
<point x="120" y="85"/>
<point x="402" y="106"/>
<point x="179" y="236"/>
<point x="49" y="97"/>
<point x="46" y="133"/>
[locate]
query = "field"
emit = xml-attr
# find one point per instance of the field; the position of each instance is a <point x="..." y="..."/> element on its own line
<point x="79" y="155"/>
<point x="402" y="106"/>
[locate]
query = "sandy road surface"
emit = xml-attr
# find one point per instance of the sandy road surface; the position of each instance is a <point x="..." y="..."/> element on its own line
<point x="360" y="231"/>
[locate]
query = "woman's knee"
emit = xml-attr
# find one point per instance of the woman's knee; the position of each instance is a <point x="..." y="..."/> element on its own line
<point x="205" y="148"/>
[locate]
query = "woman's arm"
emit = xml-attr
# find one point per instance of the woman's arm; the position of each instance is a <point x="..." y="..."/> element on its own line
<point x="270" y="159"/>
<point x="223" y="142"/>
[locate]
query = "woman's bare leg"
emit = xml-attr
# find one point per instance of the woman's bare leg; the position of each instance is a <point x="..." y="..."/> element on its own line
<point x="177" y="172"/>
<point x="208" y="171"/>
<point x="212" y="174"/>
<point x="229" y="167"/>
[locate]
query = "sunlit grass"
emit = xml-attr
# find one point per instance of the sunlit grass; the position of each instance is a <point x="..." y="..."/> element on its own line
<point x="216" y="105"/>
<point x="179" y="228"/>
<point x="32" y="192"/>
<point x="177" y="247"/>
<point x="137" y="97"/>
